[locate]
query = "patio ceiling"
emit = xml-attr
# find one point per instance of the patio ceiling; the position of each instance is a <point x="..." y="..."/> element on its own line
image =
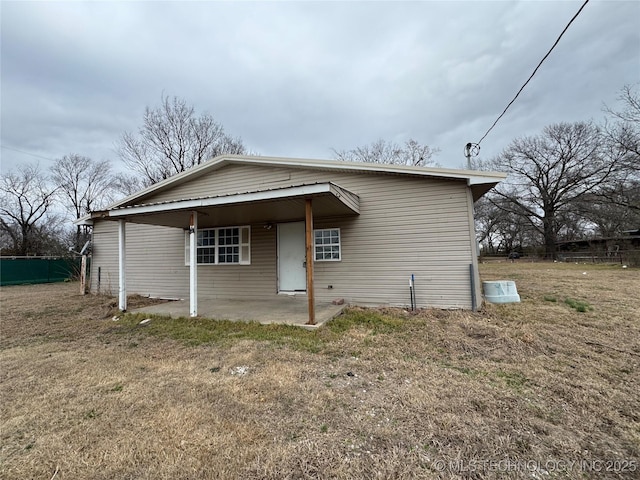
<point x="262" y="206"/>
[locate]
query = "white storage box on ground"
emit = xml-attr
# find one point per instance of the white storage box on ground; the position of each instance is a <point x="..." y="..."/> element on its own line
<point x="501" y="291"/>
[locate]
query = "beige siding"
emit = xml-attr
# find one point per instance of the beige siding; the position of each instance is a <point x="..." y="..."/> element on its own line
<point x="257" y="280"/>
<point x="104" y="258"/>
<point x="231" y="179"/>
<point x="155" y="260"/>
<point x="406" y="225"/>
<point x="156" y="264"/>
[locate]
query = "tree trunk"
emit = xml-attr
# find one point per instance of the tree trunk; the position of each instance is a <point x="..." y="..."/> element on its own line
<point x="549" y="237"/>
<point x="78" y="238"/>
<point x="23" y="250"/>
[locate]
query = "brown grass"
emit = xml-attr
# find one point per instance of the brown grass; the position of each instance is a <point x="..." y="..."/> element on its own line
<point x="535" y="382"/>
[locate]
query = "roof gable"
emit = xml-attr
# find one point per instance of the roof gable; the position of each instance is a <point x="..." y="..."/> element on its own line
<point x="479" y="182"/>
<point x="483" y="181"/>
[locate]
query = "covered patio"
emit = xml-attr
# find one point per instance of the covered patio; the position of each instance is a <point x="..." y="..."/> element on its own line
<point x="282" y="309"/>
<point x="299" y="202"/>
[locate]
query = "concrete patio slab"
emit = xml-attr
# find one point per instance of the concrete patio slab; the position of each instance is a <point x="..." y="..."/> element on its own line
<point x="282" y="309"/>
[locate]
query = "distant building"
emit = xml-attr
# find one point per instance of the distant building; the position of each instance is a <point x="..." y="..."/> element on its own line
<point x="618" y="248"/>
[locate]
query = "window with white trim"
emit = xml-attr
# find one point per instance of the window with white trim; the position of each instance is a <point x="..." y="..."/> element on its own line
<point x="327" y="245"/>
<point x="221" y="246"/>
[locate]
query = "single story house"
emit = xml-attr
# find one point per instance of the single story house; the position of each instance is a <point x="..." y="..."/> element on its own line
<point x="249" y="226"/>
<point x="620" y="248"/>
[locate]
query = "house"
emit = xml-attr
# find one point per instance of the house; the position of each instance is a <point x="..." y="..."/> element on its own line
<point x="238" y="226"/>
<point x="620" y="248"/>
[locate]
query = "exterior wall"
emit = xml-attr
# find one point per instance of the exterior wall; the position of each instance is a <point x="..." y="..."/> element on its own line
<point x="104" y="258"/>
<point x="475" y="251"/>
<point x="406" y="225"/>
<point x="154" y="264"/>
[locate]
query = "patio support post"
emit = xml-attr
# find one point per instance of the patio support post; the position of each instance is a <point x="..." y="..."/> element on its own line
<point x="309" y="248"/>
<point x="193" y="264"/>
<point x="122" y="251"/>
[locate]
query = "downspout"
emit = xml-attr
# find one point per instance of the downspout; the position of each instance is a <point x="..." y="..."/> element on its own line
<point x="474" y="276"/>
<point x="122" y="253"/>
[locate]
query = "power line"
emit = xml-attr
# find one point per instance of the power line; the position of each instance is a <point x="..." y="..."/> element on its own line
<point x="27" y="153"/>
<point x="534" y="72"/>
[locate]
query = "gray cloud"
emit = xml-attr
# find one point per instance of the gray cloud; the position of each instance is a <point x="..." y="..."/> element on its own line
<point x="301" y="78"/>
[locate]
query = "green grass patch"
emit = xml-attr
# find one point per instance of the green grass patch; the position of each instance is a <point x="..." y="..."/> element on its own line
<point x="375" y="321"/>
<point x="579" y="305"/>
<point x="462" y="369"/>
<point x="199" y="331"/>
<point x="90" y="414"/>
<point x="550" y="298"/>
<point x="514" y="380"/>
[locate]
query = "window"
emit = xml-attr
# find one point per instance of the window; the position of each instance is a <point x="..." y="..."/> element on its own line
<point x="327" y="245"/>
<point x="217" y="246"/>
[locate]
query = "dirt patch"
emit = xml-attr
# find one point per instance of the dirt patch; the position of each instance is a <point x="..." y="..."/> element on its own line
<point x="35" y="313"/>
<point x="540" y="387"/>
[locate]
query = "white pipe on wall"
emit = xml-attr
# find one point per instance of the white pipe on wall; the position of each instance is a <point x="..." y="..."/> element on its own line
<point x="122" y="262"/>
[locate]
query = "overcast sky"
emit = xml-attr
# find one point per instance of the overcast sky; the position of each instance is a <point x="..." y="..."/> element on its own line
<point x="302" y="78"/>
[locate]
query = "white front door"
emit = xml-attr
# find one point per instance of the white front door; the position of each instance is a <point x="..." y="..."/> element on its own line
<point x="292" y="272"/>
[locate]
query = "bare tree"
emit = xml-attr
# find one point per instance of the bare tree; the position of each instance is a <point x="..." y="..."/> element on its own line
<point x="500" y="230"/>
<point x="26" y="198"/>
<point x="126" y="184"/>
<point x="411" y="153"/>
<point x="622" y="132"/>
<point x="623" y="127"/>
<point x="551" y="172"/>
<point x="85" y="185"/>
<point x="173" y="139"/>
<point x="489" y="226"/>
<point x="617" y="211"/>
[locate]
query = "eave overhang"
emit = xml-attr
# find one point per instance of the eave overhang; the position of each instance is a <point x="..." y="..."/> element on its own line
<point x="261" y="206"/>
<point x="479" y="182"/>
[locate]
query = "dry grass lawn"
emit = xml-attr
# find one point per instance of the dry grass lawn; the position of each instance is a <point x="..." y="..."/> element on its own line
<point x="513" y="391"/>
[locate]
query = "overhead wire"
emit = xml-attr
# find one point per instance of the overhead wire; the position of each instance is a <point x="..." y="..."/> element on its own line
<point x="534" y="72"/>
<point x="27" y="153"/>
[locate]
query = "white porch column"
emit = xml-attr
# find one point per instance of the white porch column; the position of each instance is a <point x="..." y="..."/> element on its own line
<point x="193" y="264"/>
<point x="122" y="265"/>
